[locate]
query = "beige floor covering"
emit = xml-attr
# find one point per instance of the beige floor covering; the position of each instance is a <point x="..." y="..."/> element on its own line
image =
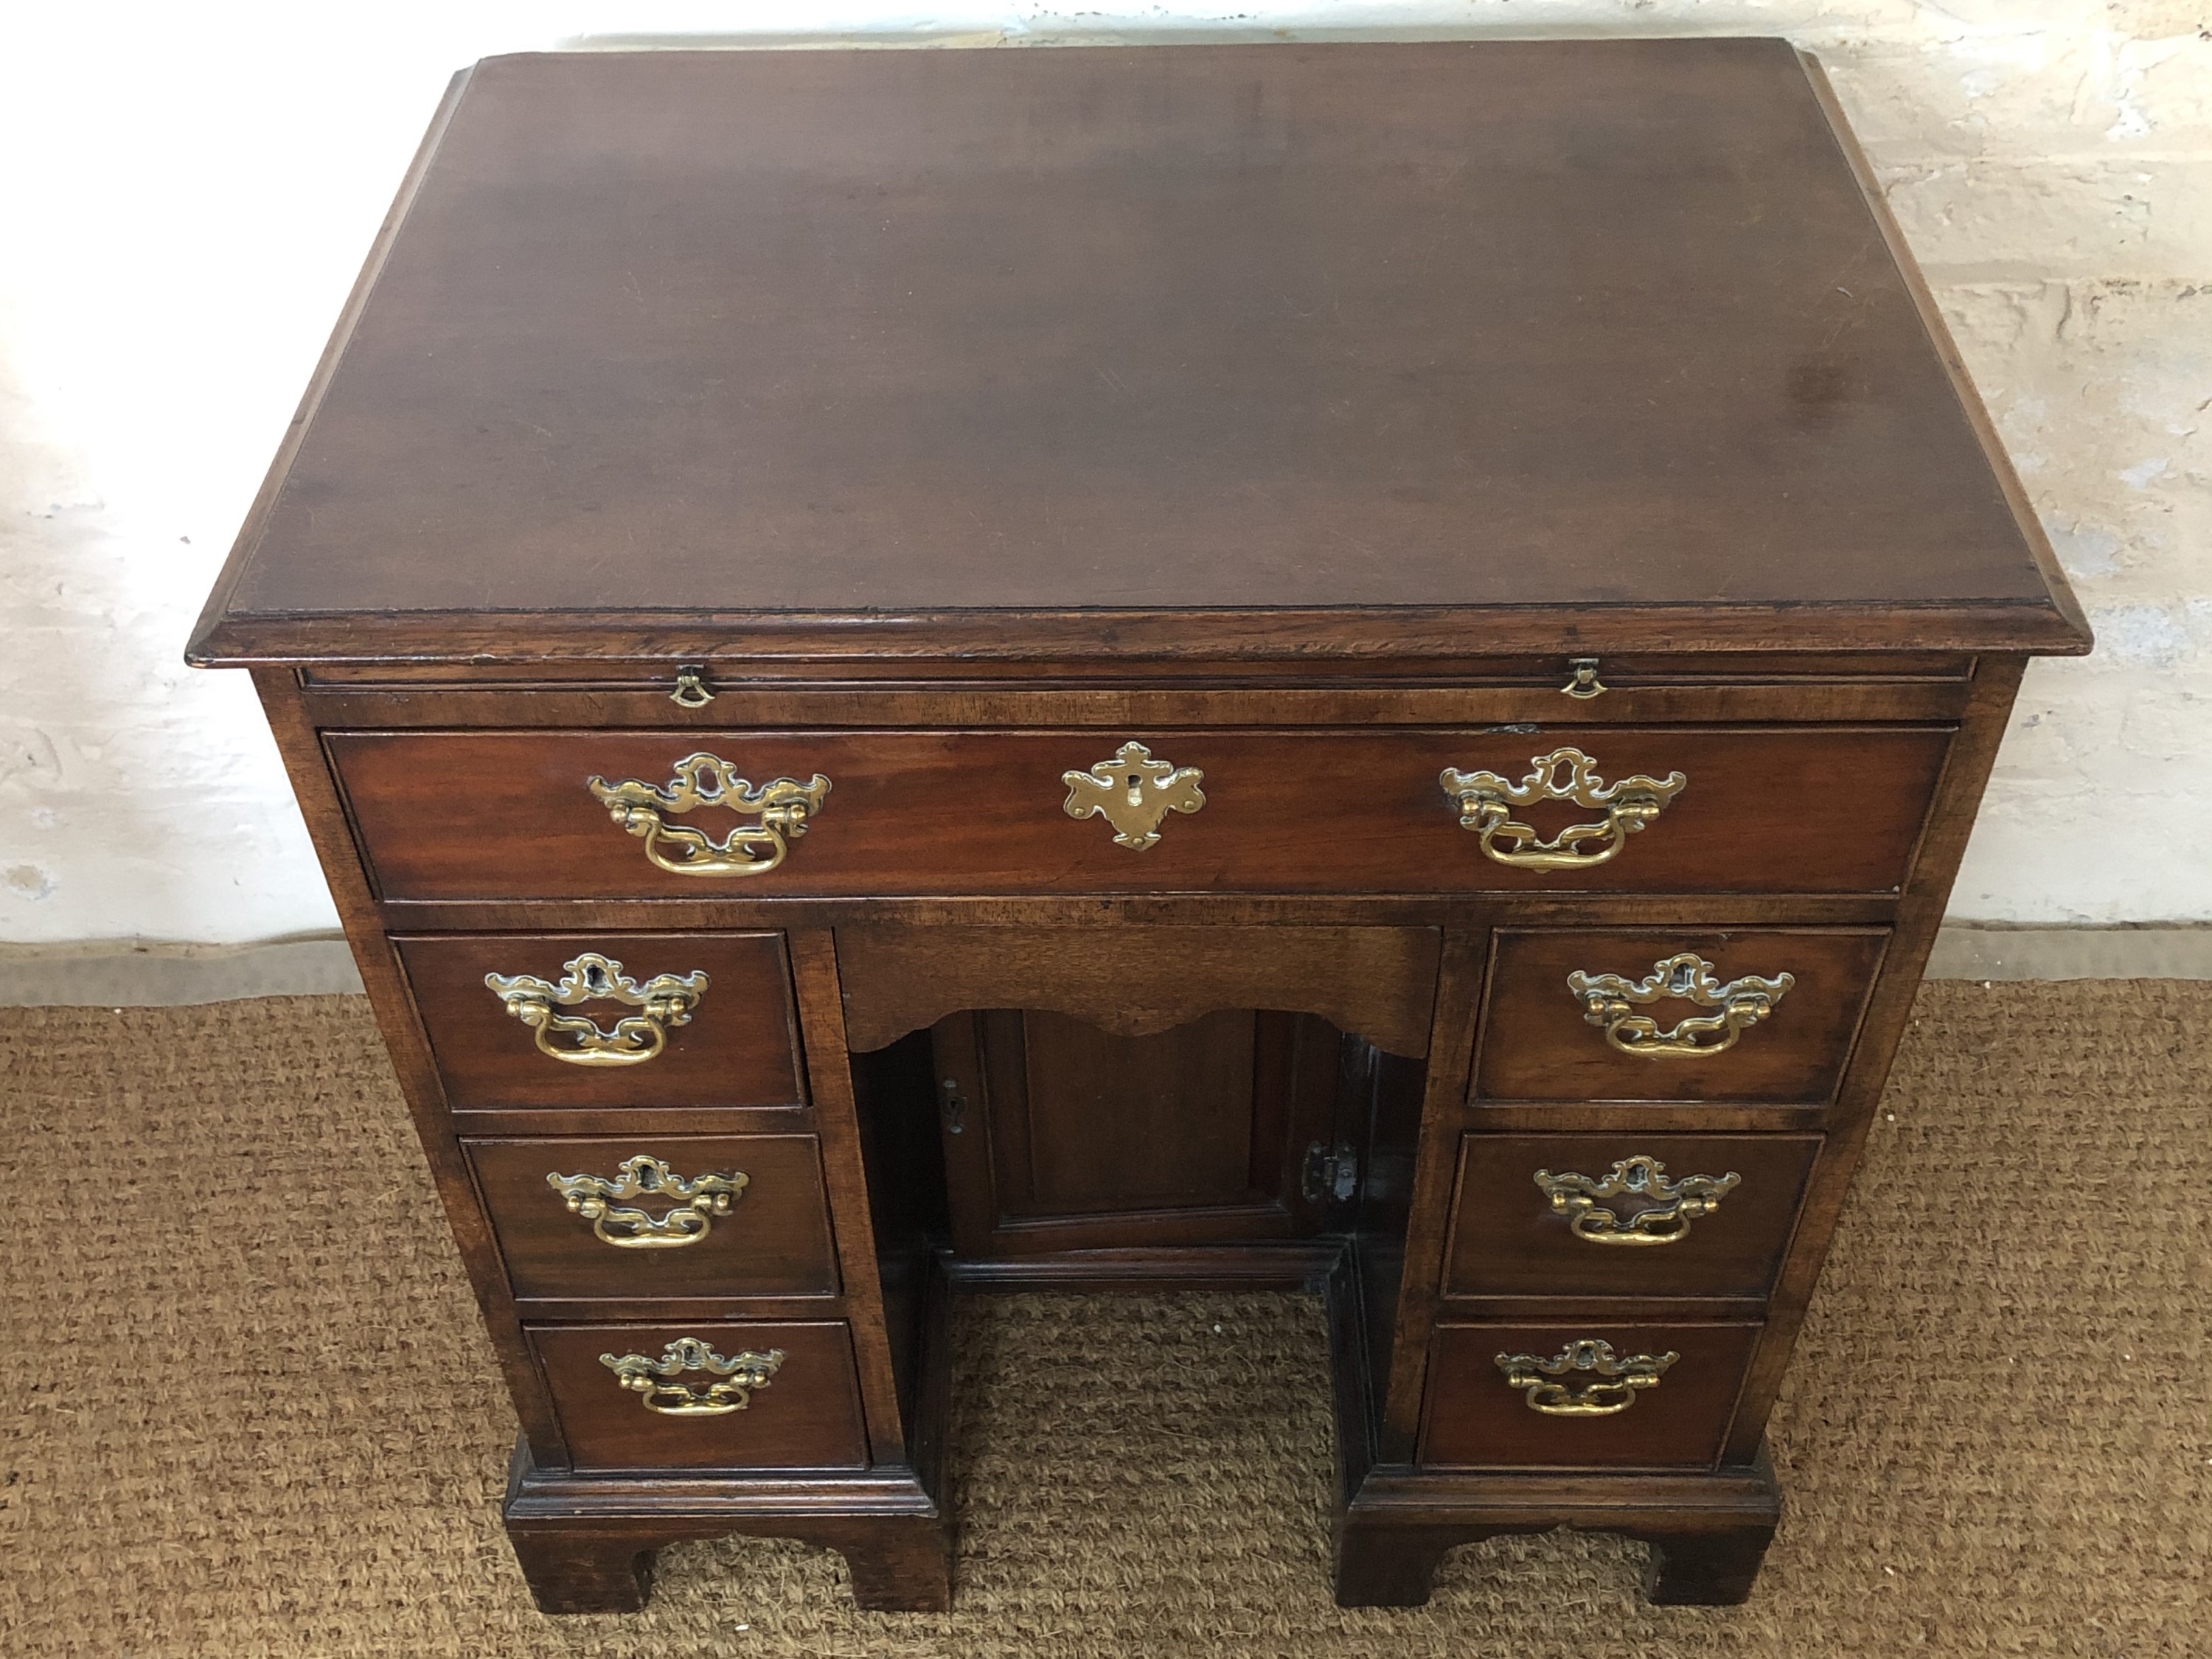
<point x="246" y="1408"/>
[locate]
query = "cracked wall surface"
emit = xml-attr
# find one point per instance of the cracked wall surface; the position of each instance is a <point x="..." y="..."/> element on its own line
<point x="191" y="192"/>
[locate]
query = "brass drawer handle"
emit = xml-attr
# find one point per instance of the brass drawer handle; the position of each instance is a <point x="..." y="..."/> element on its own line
<point x="600" y="1201"/>
<point x="1485" y="803"/>
<point x="664" y="1000"/>
<point x="1134" y="792"/>
<point x="1585" y="1379"/>
<point x="1610" y="1002"/>
<point x="740" y="1373"/>
<point x="1579" y="1198"/>
<point x="703" y="779"/>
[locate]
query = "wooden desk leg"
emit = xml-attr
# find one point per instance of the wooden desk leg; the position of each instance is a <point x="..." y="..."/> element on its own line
<point x="1705" y="1569"/>
<point x="899" y="1563"/>
<point x="570" y="1570"/>
<point x="1381" y="1566"/>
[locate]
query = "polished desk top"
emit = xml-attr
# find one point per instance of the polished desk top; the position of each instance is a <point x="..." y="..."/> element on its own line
<point x="1494" y="334"/>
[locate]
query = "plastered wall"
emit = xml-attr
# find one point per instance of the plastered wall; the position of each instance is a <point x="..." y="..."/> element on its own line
<point x="189" y="191"/>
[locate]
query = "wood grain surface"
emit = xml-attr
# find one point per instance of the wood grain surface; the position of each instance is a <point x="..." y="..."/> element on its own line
<point x="1471" y="328"/>
<point x="1136" y="981"/>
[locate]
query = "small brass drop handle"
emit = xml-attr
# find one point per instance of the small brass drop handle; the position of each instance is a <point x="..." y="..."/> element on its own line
<point x="740" y="1374"/>
<point x="1675" y="1204"/>
<point x="602" y="1202"/>
<point x="785" y="806"/>
<point x="1585" y="1379"/>
<point x="1610" y="1003"/>
<point x="665" y="1001"/>
<point x="1486" y="804"/>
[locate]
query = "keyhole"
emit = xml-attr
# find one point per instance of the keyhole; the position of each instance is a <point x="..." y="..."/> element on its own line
<point x="955" y="1109"/>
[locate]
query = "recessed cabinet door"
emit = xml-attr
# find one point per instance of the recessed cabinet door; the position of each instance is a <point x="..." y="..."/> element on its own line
<point x="1060" y="1135"/>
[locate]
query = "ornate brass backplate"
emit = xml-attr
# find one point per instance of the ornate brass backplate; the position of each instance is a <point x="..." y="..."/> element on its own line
<point x="665" y="1001"/>
<point x="599" y="1200"/>
<point x="741" y="1374"/>
<point x="1610" y="1002"/>
<point x="1134" y="792"/>
<point x="703" y="779"/>
<point x="1674" y="1205"/>
<point x="1486" y="801"/>
<point x="1585" y="1379"/>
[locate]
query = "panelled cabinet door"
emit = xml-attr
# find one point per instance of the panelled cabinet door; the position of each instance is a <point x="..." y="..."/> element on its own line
<point x="1059" y="1135"/>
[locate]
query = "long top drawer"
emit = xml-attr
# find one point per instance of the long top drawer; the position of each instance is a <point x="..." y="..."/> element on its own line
<point x="569" y="814"/>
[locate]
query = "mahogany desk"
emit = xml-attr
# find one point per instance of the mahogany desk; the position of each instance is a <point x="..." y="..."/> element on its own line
<point x="1361" y="667"/>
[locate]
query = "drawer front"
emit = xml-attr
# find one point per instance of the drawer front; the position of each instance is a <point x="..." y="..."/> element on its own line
<point x="659" y="1216"/>
<point x="702" y="1415"/>
<point x="1667" y="1014"/>
<point x="716" y="1031"/>
<point x="512" y="815"/>
<point x="1480" y="1416"/>
<point x="1624" y="1215"/>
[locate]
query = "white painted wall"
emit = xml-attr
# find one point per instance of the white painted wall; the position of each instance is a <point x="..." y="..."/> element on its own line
<point x="187" y="192"/>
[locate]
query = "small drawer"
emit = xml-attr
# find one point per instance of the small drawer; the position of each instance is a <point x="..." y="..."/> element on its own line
<point x="1624" y="1215"/>
<point x="719" y="1394"/>
<point x="607" y="1019"/>
<point x="696" y="814"/>
<point x="1583" y="1395"/>
<point x="1749" y="1015"/>
<point x="659" y="1216"/>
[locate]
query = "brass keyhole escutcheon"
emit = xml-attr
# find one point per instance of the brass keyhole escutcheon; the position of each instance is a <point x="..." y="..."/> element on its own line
<point x="1134" y="794"/>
